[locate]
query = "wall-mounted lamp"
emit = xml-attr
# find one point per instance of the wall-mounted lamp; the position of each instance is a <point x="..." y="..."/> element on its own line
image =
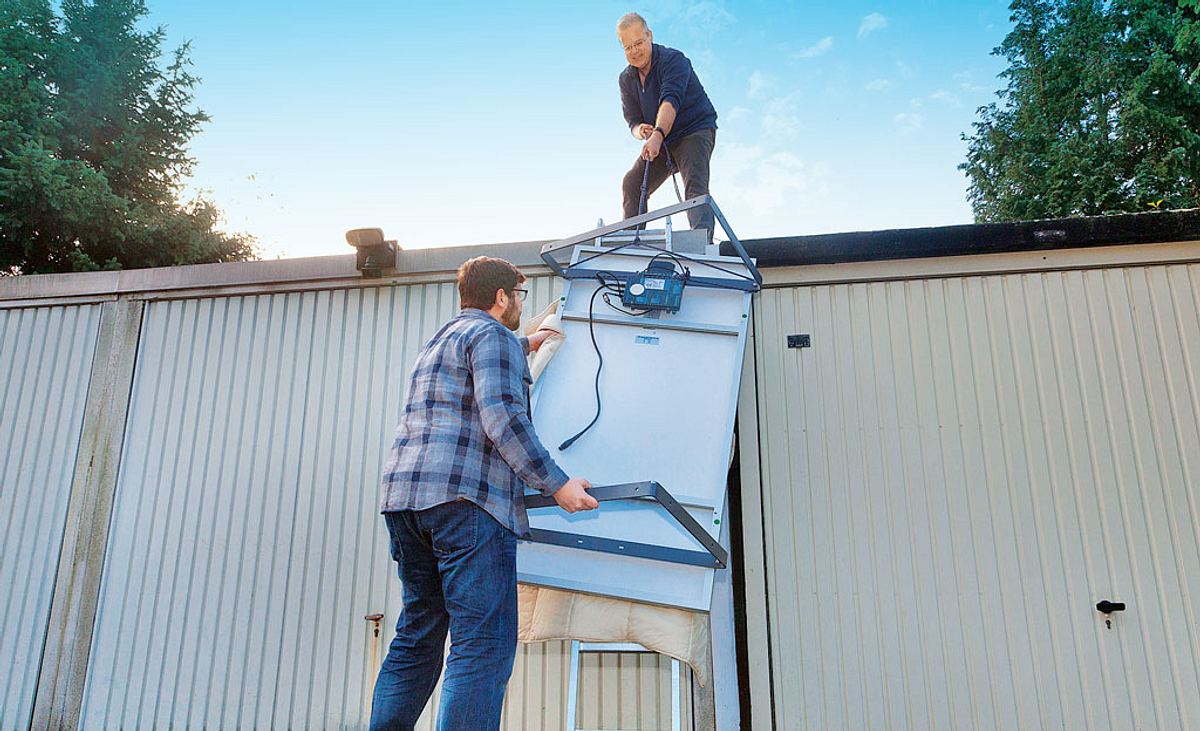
<point x="374" y="254"/>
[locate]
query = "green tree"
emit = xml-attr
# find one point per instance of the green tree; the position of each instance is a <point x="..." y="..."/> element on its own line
<point x="1101" y="112"/>
<point x="94" y="129"/>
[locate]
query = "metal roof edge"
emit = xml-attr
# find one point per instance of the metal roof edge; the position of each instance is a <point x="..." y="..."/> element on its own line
<point x="975" y="238"/>
<point x="317" y="271"/>
<point x="439" y="264"/>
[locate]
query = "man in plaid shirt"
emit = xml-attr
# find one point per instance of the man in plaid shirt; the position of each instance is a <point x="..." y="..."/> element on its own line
<point x="453" y="502"/>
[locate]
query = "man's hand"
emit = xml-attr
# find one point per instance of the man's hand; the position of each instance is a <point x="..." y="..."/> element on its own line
<point x="539" y="337"/>
<point x="643" y="131"/>
<point x="652" y="147"/>
<point x="572" y="496"/>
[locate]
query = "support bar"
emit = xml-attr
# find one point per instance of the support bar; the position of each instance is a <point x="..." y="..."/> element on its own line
<point x="744" y="285"/>
<point x="631" y="223"/>
<point x="714" y="556"/>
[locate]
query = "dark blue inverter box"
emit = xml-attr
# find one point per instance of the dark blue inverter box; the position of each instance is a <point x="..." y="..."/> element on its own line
<point x="658" y="287"/>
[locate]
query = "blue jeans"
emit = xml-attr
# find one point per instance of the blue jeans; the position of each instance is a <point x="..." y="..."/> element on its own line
<point x="458" y="570"/>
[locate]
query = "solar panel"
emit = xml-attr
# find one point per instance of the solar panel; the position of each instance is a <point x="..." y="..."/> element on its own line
<point x="668" y="392"/>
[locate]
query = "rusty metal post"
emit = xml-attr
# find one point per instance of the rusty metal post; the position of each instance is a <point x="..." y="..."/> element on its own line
<point x="374" y="619"/>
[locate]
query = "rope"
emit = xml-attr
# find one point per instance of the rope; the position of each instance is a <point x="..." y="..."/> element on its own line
<point x="671" y="167"/>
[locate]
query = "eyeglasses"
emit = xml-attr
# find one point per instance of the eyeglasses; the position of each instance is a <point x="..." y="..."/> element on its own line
<point x="635" y="44"/>
<point x="520" y="293"/>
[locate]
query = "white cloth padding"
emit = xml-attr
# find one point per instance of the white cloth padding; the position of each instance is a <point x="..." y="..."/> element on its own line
<point x="539" y="359"/>
<point x="545" y="613"/>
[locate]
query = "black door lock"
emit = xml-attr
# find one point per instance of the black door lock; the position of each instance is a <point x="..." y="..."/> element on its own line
<point x="1107" y="608"/>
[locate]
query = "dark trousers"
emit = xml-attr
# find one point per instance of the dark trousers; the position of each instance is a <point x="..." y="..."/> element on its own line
<point x="691" y="156"/>
<point x="458" y="571"/>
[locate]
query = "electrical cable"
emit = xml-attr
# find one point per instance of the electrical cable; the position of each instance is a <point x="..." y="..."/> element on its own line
<point x="698" y="262"/>
<point x="661" y="250"/>
<point x="618" y="287"/>
<point x="623" y="311"/>
<point x="681" y="268"/>
<point x="599" y="365"/>
<point x="637" y="234"/>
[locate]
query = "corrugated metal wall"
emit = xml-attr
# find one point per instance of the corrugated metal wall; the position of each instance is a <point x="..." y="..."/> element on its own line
<point x="45" y="363"/>
<point x="246" y="546"/>
<point x="956" y="472"/>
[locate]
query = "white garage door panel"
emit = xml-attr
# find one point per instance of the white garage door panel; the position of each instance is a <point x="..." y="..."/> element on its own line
<point x="956" y="472"/>
<point x="45" y="365"/>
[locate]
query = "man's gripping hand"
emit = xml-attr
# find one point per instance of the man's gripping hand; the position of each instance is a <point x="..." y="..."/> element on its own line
<point x="572" y="496"/>
<point x="652" y="147"/>
<point x="643" y="131"/>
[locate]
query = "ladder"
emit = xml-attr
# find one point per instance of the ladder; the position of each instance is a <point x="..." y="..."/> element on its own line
<point x="578" y="648"/>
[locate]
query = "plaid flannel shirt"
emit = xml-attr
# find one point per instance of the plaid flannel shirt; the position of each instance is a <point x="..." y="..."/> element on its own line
<point x="466" y="431"/>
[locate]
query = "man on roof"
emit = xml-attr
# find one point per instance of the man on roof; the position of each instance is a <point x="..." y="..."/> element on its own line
<point x="665" y="105"/>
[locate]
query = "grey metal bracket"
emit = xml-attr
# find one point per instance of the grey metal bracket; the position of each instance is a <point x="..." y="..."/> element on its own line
<point x="629" y="223"/>
<point x="713" y="557"/>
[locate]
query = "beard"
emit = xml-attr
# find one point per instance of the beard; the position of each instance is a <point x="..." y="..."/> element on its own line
<point x="511" y="317"/>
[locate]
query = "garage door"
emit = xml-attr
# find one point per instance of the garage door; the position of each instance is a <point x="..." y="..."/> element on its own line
<point x="45" y="362"/>
<point x="956" y="473"/>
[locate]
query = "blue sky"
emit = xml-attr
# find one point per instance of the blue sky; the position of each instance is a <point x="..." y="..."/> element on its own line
<point x="463" y="123"/>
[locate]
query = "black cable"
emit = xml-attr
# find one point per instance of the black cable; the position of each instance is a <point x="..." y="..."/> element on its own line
<point x="623" y="311"/>
<point x="606" y="252"/>
<point x="680" y="268"/>
<point x="677" y="256"/>
<point x="618" y="284"/>
<point x="637" y="233"/>
<point x="699" y="262"/>
<point x="662" y="250"/>
<point x="617" y="287"/>
<point x="599" y="365"/>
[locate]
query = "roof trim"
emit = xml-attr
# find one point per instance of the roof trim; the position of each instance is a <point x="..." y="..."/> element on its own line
<point x="975" y="238"/>
<point x="317" y="272"/>
<point x="440" y="264"/>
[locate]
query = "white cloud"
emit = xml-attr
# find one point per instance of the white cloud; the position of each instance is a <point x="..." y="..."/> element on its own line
<point x="870" y="24"/>
<point x="966" y="82"/>
<point x="737" y="114"/>
<point x="758" y="83"/>
<point x="710" y="15"/>
<point x="762" y="181"/>
<point x="780" y="124"/>
<point x="945" y="97"/>
<point x="695" y="25"/>
<point x="820" y="48"/>
<point x="909" y="122"/>
<point x="781" y="115"/>
<point x="877" y="85"/>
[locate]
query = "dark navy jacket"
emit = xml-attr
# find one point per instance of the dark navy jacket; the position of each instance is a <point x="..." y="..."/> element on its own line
<point x="671" y="79"/>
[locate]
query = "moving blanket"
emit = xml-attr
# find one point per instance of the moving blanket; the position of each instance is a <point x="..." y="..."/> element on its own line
<point x="557" y="614"/>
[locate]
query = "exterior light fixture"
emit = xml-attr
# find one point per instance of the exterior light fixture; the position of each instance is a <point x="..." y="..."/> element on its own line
<point x="374" y="253"/>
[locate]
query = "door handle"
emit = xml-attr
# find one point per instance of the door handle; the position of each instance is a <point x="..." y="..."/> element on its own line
<point x="1107" y="607"/>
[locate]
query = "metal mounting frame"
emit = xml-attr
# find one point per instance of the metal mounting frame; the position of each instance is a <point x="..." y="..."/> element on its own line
<point x="702" y="200"/>
<point x="713" y="557"/>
